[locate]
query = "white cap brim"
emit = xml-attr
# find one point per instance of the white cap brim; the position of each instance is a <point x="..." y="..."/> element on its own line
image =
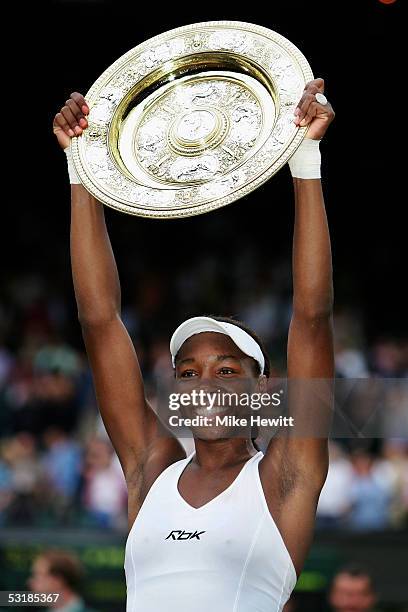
<point x="198" y="325"/>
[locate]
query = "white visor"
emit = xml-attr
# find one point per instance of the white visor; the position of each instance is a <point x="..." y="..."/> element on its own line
<point x="197" y="325"/>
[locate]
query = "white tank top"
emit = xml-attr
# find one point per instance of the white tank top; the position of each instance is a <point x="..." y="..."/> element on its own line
<point x="226" y="556"/>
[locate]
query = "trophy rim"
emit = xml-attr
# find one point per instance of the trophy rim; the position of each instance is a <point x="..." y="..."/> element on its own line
<point x="129" y="206"/>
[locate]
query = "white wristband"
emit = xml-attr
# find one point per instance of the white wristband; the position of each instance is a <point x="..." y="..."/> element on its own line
<point x="305" y="163"/>
<point x="72" y="173"/>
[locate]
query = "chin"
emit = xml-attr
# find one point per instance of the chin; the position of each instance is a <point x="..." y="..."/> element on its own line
<point x="211" y="433"/>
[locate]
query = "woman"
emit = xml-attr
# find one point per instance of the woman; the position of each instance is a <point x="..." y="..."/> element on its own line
<point x="227" y="528"/>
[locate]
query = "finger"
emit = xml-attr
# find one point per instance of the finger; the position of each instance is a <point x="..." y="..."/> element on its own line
<point x="81" y="102"/>
<point x="320" y="85"/>
<point x="77" y="112"/>
<point x="317" y="84"/>
<point x="75" y="109"/>
<point x="306" y="101"/>
<point x="61" y="123"/>
<point x="71" y="119"/>
<point x="309" y="90"/>
<point x="298" y="107"/>
<point x="310" y="114"/>
<point x="312" y="87"/>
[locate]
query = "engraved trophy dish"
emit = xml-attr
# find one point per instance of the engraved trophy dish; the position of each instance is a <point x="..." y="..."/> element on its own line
<point x="192" y="119"/>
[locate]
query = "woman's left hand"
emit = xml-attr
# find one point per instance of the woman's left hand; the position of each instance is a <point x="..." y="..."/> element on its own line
<point x="310" y="112"/>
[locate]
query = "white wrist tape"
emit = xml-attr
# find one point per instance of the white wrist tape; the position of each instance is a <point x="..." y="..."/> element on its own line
<point x="305" y="163"/>
<point x="73" y="175"/>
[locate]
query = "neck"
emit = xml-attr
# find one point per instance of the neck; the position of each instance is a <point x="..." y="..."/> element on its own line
<point x="216" y="454"/>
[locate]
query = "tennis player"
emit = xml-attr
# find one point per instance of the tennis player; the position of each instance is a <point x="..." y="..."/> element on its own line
<point x="228" y="528"/>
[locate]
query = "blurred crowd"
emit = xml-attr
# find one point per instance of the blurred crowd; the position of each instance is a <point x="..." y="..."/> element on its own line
<point x="56" y="463"/>
<point x="61" y="571"/>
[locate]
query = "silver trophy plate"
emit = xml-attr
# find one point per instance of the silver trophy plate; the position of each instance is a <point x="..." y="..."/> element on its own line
<point x="192" y="119"/>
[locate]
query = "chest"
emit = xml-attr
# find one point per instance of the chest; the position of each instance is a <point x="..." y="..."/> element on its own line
<point x="171" y="533"/>
<point x="198" y="487"/>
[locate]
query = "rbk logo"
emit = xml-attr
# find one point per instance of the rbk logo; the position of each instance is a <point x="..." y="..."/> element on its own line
<point x="184" y="535"/>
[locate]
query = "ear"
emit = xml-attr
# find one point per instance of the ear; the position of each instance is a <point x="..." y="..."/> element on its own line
<point x="262" y="383"/>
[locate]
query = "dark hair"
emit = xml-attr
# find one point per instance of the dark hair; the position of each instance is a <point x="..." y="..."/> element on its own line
<point x="248" y="330"/>
<point x="64" y="565"/>
<point x="356" y="571"/>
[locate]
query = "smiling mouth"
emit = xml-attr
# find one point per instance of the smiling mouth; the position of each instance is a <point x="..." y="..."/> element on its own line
<point x="204" y="411"/>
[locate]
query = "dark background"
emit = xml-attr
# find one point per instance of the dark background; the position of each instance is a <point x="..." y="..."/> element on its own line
<point x="354" y="46"/>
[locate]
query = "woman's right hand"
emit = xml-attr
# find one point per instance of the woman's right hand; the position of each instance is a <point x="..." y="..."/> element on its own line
<point x="71" y="120"/>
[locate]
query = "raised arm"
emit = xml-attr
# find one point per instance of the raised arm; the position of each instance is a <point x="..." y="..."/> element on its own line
<point x="310" y="341"/>
<point x="131" y="423"/>
<point x="299" y="459"/>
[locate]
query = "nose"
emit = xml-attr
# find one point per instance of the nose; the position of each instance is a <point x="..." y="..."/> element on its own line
<point x="208" y="385"/>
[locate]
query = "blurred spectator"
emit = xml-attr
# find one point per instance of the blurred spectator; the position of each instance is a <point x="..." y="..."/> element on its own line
<point x="395" y="466"/>
<point x="370" y="494"/>
<point x="352" y="590"/>
<point x="105" y="493"/>
<point x="58" y="571"/>
<point x="395" y="409"/>
<point x="6" y="489"/>
<point x="351" y="363"/>
<point x="335" y="498"/>
<point x="262" y="313"/>
<point x="388" y="358"/>
<point x="161" y="367"/>
<point x="24" y="477"/>
<point x="350" y="359"/>
<point x="57" y="356"/>
<point x="61" y="463"/>
<point x="54" y="399"/>
<point x="43" y="388"/>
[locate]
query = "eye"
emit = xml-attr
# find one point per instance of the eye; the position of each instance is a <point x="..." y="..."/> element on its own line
<point x="188" y="374"/>
<point x="226" y="371"/>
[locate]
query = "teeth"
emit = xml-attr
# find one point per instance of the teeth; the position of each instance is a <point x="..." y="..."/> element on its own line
<point x="210" y="411"/>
